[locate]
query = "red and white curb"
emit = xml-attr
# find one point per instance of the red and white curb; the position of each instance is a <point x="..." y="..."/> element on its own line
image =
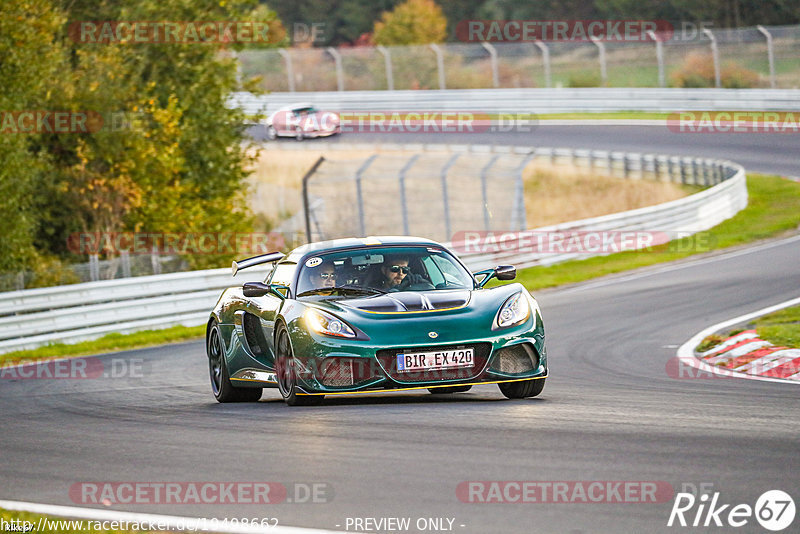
<point x="745" y="355"/>
<point x="162" y="522"/>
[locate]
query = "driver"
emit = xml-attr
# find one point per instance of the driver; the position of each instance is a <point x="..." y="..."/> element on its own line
<point x="396" y="275"/>
<point x="323" y="276"/>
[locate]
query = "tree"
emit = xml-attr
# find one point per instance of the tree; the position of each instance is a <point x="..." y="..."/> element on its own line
<point x="412" y="22"/>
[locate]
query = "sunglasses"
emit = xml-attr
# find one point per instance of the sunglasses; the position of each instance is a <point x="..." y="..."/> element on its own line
<point x="327" y="276"/>
<point x="400" y="268"/>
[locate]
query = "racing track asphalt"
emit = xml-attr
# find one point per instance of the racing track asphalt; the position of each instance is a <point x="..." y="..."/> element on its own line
<point x="609" y="412"/>
<point x="763" y="152"/>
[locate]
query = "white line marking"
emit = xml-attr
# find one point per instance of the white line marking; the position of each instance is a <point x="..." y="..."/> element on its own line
<point x="686" y="351"/>
<point x="172" y="522"/>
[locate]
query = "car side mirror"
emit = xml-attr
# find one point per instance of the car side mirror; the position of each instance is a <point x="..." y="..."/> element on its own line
<point x="505" y="272"/>
<point x="255" y="289"/>
<point x="501" y="272"/>
<point x="259" y="289"/>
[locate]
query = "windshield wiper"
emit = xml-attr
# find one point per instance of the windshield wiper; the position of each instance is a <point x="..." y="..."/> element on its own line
<point x="345" y="289"/>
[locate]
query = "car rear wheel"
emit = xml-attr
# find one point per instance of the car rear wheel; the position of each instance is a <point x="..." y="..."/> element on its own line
<point x="272" y="133"/>
<point x="450" y="389"/>
<point x="221" y="385"/>
<point x="298" y="134"/>
<point x="522" y="389"/>
<point x="285" y="368"/>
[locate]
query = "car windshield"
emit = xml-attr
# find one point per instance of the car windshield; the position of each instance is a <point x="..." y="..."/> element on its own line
<point x="372" y="271"/>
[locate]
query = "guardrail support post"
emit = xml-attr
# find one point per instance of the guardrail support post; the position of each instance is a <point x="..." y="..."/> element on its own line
<point x="493" y="56"/>
<point x="659" y="57"/>
<point x="403" y="203"/>
<point x="548" y="82"/>
<point x="601" y="48"/>
<point x="362" y="226"/>
<point x="337" y="59"/>
<point x="445" y="198"/>
<point x="485" y="192"/>
<point x="770" y="55"/>
<point x="714" y="56"/>
<point x="439" y="64"/>
<point x="387" y="61"/>
<point x="289" y="69"/>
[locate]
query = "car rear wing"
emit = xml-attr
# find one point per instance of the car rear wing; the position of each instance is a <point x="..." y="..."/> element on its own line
<point x="256" y="260"/>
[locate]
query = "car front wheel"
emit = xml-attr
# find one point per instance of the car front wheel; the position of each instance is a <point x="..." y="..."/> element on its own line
<point x="221" y="385"/>
<point x="522" y="389"/>
<point x="285" y="368"/>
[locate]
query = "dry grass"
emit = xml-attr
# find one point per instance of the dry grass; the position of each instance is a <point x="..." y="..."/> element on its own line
<point x="562" y="193"/>
<point x="553" y="194"/>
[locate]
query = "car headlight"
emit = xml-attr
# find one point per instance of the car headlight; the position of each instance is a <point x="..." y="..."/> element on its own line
<point x="514" y="311"/>
<point x="325" y="323"/>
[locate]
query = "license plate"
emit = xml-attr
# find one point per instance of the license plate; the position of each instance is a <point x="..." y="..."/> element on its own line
<point x="431" y="360"/>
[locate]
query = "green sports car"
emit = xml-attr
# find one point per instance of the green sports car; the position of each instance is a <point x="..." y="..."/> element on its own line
<point x="373" y="315"/>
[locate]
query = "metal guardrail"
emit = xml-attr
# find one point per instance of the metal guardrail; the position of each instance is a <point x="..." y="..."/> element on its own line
<point x="529" y="100"/>
<point x="36" y="317"/>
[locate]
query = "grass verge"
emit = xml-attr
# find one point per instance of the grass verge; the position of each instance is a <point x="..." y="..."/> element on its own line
<point x="108" y="343"/>
<point x="780" y="328"/>
<point x="773" y="208"/>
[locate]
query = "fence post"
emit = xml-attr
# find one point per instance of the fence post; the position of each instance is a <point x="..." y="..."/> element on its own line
<point x="485" y="192"/>
<point x="439" y="64"/>
<point x="548" y="82"/>
<point x="659" y="57"/>
<point x="387" y="61"/>
<point x="289" y="70"/>
<point x="125" y="260"/>
<point x="402" y="179"/>
<point x="337" y="59"/>
<point x="602" y="51"/>
<point x="94" y="267"/>
<point x="519" y="214"/>
<point x="362" y="227"/>
<point x="493" y="56"/>
<point x="770" y="55"/>
<point x="306" y="204"/>
<point x="445" y="197"/>
<point x="714" y="56"/>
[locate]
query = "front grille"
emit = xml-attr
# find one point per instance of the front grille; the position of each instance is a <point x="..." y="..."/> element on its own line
<point x="341" y="372"/>
<point x="388" y="359"/>
<point x="516" y="359"/>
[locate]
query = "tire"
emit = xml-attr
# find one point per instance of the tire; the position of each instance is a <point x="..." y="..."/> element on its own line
<point x="272" y="133"/>
<point x="221" y="385"/>
<point x="286" y="374"/>
<point x="298" y="134"/>
<point x="523" y="388"/>
<point x="450" y="389"/>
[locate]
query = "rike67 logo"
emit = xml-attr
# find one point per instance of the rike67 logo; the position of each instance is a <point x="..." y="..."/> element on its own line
<point x="774" y="510"/>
